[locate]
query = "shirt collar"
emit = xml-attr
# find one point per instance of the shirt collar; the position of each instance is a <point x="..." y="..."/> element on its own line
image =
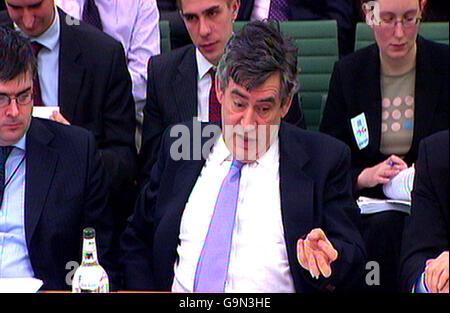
<point x="50" y="37"/>
<point x="222" y="154"/>
<point x="21" y="144"/>
<point x="203" y="65"/>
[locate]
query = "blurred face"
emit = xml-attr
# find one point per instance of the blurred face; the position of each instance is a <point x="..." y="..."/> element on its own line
<point x="251" y="119"/>
<point x="399" y="41"/>
<point x="15" y="118"/>
<point x="210" y="24"/>
<point x="33" y="17"/>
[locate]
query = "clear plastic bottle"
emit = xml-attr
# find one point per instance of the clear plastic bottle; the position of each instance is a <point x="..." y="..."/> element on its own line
<point x="90" y="277"/>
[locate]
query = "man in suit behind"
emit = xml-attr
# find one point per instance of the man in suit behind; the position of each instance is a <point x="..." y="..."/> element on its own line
<point x="180" y="82"/>
<point x="252" y="207"/>
<point x="424" y="258"/>
<point x="343" y="11"/>
<point x="83" y="71"/>
<point x="52" y="182"/>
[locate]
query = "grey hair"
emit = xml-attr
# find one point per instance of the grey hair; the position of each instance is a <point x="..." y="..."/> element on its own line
<point x="255" y="53"/>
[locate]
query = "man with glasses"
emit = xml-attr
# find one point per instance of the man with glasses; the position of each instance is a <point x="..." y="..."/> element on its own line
<point x="382" y="101"/>
<point x="52" y="182"/>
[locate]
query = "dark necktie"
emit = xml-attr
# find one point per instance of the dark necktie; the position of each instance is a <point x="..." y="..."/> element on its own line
<point x="37" y="95"/>
<point x="91" y="14"/>
<point x="4" y="153"/>
<point x="279" y="10"/>
<point x="212" y="266"/>
<point x="215" y="113"/>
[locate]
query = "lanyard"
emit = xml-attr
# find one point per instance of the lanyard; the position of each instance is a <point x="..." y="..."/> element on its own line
<point x="14" y="172"/>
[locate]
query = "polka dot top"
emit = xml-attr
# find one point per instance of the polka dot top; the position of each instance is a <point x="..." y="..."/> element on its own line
<point x="397" y="119"/>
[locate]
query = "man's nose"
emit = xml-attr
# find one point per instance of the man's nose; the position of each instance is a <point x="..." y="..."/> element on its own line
<point x="204" y="27"/>
<point x="28" y="18"/>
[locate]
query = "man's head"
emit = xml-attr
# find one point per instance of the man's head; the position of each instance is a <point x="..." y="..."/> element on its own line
<point x="33" y="17"/>
<point x="17" y="68"/>
<point x="395" y="25"/>
<point x="256" y="80"/>
<point x="210" y="24"/>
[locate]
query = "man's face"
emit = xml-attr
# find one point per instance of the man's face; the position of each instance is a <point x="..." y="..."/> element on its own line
<point x="33" y="17"/>
<point x="397" y="43"/>
<point x="251" y="119"/>
<point x="15" y="118"/>
<point x="210" y="25"/>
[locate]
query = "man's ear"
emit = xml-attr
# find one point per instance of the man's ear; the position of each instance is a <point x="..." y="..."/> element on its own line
<point x="287" y="105"/>
<point x="219" y="93"/>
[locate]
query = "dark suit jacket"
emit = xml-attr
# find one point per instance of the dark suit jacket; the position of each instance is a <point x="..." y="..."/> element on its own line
<point x="426" y="231"/>
<point x="343" y="11"/>
<point x="172" y="98"/>
<point x="95" y="93"/>
<point x="355" y="88"/>
<point x="66" y="190"/>
<point x="315" y="190"/>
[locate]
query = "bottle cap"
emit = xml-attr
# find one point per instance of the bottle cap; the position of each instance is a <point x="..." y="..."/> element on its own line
<point x="89" y="233"/>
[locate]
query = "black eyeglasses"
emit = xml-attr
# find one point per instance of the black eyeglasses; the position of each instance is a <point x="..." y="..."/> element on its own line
<point x="22" y="99"/>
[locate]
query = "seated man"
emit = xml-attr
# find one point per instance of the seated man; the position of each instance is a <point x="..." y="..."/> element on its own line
<point x="424" y="262"/>
<point x="136" y="25"/>
<point x="258" y="205"/>
<point x="83" y="72"/>
<point x="343" y="11"/>
<point x="181" y="82"/>
<point x="52" y="182"/>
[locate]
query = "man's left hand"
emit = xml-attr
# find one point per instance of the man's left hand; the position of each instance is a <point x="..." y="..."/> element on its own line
<point x="316" y="253"/>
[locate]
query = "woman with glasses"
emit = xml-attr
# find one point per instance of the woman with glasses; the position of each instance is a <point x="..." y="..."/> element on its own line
<point x="382" y="101"/>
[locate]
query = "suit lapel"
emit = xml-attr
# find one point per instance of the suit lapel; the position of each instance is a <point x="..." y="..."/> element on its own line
<point x="296" y="190"/>
<point x="184" y="86"/>
<point x="41" y="163"/>
<point x="71" y="73"/>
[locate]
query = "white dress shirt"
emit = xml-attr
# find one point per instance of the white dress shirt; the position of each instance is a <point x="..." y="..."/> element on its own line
<point x="14" y="258"/>
<point x="203" y="86"/>
<point x="260" y="10"/>
<point x="258" y="258"/>
<point x="48" y="62"/>
<point x="135" y="23"/>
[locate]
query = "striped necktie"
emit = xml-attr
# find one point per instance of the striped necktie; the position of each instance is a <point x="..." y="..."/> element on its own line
<point x="215" y="113"/>
<point x="37" y="95"/>
<point x="279" y="10"/>
<point x="91" y="14"/>
<point x="212" y="266"/>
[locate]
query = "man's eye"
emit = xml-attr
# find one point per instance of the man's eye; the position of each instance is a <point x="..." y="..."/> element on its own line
<point x="189" y="18"/>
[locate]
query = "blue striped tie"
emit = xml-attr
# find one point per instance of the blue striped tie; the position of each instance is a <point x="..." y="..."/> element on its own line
<point x="91" y="14"/>
<point x="279" y="10"/>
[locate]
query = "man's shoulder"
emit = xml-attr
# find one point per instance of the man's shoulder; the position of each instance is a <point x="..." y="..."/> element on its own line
<point x="171" y="59"/>
<point x="87" y="36"/>
<point x="60" y="134"/>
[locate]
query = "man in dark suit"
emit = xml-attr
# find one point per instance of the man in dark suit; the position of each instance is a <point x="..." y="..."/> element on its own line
<point x="425" y="237"/>
<point x="343" y="11"/>
<point x="179" y="82"/>
<point x="292" y="218"/>
<point x="92" y="89"/>
<point x="52" y="182"/>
